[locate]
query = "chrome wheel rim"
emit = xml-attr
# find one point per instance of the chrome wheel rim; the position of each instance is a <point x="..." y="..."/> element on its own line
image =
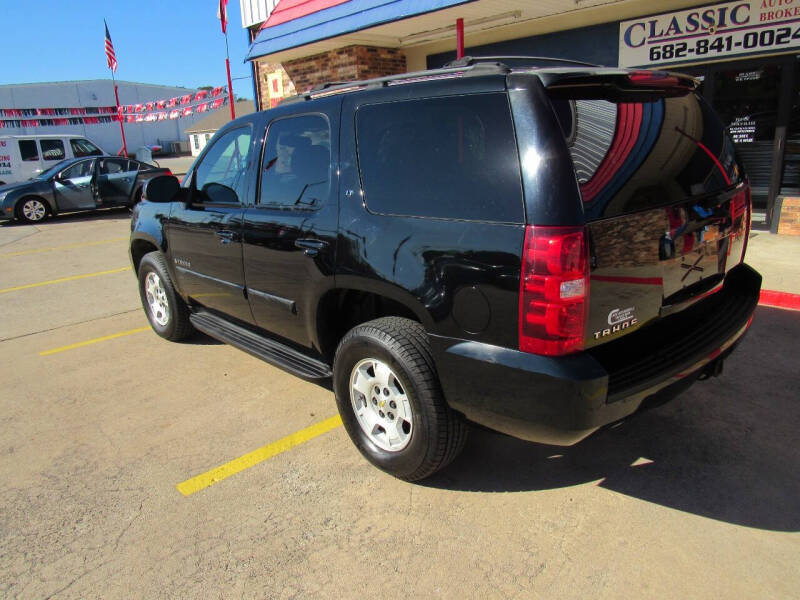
<point x="156" y="298"/>
<point x="34" y="210"/>
<point x="381" y="405"/>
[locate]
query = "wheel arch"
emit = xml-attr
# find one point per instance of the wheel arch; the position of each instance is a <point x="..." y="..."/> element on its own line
<point x="140" y="246"/>
<point x="48" y="202"/>
<point x="342" y="308"/>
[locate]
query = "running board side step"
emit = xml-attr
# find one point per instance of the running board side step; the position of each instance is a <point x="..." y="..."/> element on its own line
<point x="268" y="350"/>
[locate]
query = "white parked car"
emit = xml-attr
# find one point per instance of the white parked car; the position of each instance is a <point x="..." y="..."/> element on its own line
<point x="25" y="156"/>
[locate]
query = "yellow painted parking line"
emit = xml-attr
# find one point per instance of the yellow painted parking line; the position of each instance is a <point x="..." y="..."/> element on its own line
<point x="93" y="341"/>
<point x="65" y="247"/>
<point x="202" y="481"/>
<point x="63" y="279"/>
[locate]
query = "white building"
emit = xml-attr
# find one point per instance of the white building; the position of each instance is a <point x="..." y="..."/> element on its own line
<point x="204" y="130"/>
<point x="91" y="95"/>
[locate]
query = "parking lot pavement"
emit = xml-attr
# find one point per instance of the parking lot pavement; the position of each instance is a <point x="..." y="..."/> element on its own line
<point x="776" y="258"/>
<point x="101" y="420"/>
<point x="177" y="164"/>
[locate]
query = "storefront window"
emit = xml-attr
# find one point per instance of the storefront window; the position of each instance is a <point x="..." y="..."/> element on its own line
<point x="747" y="101"/>
<point x="790" y="183"/>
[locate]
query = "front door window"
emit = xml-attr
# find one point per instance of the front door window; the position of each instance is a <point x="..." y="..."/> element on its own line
<point x="220" y="176"/>
<point x="73" y="186"/>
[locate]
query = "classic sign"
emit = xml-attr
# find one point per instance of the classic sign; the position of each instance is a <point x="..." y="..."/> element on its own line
<point x="711" y="32"/>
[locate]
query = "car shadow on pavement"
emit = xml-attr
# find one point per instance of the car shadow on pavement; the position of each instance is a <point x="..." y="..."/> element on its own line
<point x="198" y="338"/>
<point x="725" y="449"/>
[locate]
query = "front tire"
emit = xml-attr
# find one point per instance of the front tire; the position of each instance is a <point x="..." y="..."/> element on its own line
<point x="165" y="309"/>
<point x="32" y="210"/>
<point x="391" y="402"/>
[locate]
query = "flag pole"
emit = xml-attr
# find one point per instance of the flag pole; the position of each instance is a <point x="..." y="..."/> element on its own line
<point x="228" y="70"/>
<point x="112" y="64"/>
<point x="119" y="116"/>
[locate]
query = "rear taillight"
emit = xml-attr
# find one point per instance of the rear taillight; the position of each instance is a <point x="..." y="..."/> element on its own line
<point x="554" y="290"/>
<point x="169" y="172"/>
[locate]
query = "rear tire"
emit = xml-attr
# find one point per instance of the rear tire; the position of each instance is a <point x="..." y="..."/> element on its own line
<point x="165" y="309"/>
<point x="391" y="402"/>
<point x="32" y="210"/>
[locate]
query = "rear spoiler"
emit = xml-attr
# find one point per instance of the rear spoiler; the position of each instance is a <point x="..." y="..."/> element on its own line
<point x="616" y="84"/>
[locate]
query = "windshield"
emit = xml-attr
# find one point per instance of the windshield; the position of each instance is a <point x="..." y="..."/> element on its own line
<point x="52" y="170"/>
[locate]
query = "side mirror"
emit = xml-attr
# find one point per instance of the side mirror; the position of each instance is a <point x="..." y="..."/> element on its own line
<point x="164" y="188"/>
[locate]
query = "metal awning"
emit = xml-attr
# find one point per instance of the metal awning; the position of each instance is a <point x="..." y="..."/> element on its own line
<point x="342" y="19"/>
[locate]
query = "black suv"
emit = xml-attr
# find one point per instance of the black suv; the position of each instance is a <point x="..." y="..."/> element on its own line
<point x="542" y="251"/>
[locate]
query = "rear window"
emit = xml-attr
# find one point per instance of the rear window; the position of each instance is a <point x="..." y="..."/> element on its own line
<point x="451" y="158"/>
<point x="632" y="156"/>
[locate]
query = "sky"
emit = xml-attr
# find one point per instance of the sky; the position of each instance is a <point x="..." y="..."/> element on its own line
<point x="166" y="42"/>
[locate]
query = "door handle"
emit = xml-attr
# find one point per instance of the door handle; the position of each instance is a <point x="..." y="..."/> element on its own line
<point x="225" y="236"/>
<point x="310" y="246"/>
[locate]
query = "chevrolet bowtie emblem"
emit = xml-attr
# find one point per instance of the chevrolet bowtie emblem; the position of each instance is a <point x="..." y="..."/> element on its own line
<point x="382" y="403"/>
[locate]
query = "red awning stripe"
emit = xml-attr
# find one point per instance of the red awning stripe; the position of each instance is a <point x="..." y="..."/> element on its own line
<point x="289" y="10"/>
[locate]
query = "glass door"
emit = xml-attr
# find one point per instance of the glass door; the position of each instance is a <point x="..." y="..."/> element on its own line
<point x="790" y="176"/>
<point x="746" y="99"/>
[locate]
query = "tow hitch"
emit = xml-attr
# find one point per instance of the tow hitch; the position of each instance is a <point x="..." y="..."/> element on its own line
<point x="712" y="369"/>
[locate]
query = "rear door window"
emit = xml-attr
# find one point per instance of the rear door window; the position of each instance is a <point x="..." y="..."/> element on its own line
<point x="28" y="150"/>
<point x="452" y="158"/>
<point x="110" y="166"/>
<point x="52" y="149"/>
<point x="295" y="170"/>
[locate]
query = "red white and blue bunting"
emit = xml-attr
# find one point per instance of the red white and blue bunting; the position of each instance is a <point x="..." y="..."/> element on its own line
<point x="146" y="112"/>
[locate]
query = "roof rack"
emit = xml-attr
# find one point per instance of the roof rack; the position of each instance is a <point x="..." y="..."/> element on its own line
<point x="468" y="65"/>
<point x="446" y="72"/>
<point x="327" y="84"/>
<point x="467" y="61"/>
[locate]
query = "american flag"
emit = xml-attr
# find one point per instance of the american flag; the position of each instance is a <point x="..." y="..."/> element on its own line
<point x="112" y="58"/>
<point x="222" y="14"/>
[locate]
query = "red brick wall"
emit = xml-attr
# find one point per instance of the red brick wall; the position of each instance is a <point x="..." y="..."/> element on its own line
<point x="263" y="70"/>
<point x="345" y="64"/>
<point x="789" y="223"/>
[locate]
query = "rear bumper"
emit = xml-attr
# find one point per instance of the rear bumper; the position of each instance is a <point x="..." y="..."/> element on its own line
<point x="561" y="400"/>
